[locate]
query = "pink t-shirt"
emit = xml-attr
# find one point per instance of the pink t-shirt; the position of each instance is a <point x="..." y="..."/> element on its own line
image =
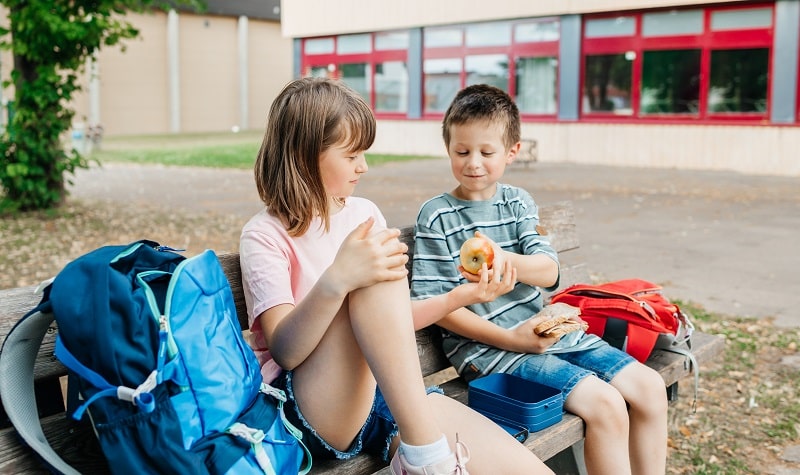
<point x="280" y="269"/>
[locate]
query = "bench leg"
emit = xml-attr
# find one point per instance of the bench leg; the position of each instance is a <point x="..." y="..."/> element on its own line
<point x="672" y="392"/>
<point x="569" y="461"/>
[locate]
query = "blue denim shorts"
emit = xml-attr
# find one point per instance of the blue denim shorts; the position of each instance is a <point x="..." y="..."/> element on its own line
<point x="565" y="370"/>
<point x="374" y="437"/>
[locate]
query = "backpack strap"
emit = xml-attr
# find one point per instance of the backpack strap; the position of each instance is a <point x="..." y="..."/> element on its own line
<point x="17" y="359"/>
<point x="280" y="396"/>
<point x="141" y="395"/>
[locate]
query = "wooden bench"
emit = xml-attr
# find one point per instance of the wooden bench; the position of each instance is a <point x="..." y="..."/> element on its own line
<point x="559" y="444"/>
<point x="528" y="152"/>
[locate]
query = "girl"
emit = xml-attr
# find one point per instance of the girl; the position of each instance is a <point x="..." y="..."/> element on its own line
<point x="326" y="292"/>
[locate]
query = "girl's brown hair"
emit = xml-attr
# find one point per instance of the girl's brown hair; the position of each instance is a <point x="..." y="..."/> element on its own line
<point x="308" y="117"/>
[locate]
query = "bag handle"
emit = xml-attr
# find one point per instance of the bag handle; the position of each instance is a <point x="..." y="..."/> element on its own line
<point x="17" y="359"/>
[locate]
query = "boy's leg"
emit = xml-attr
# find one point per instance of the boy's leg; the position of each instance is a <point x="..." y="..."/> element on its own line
<point x="603" y="409"/>
<point x="599" y="404"/>
<point x="643" y="389"/>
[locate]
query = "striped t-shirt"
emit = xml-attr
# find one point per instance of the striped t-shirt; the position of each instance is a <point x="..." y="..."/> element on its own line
<point x="510" y="219"/>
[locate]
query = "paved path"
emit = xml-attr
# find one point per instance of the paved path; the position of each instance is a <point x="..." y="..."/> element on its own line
<point x="725" y="240"/>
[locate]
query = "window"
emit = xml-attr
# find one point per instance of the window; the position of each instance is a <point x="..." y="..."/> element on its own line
<point x="738" y="80"/>
<point x="537" y="83"/>
<point x="710" y="63"/>
<point x="519" y="57"/>
<point x="442" y="82"/>
<point x="607" y="84"/>
<point x="356" y="75"/>
<point x="373" y="64"/>
<point x="670" y="82"/>
<point x="391" y="87"/>
<point x="489" y="69"/>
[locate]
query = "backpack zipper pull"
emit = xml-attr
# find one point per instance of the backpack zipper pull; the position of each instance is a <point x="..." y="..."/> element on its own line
<point x="167" y="248"/>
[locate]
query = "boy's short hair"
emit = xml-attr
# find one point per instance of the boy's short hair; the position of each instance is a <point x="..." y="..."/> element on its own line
<point x="483" y="102"/>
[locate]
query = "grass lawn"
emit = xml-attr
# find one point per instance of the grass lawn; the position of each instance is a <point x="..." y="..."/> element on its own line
<point x="219" y="149"/>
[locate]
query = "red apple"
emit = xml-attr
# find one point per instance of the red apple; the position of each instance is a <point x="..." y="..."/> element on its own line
<point x="474" y="252"/>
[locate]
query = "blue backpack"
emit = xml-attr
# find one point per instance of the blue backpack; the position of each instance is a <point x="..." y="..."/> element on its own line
<point x="152" y="340"/>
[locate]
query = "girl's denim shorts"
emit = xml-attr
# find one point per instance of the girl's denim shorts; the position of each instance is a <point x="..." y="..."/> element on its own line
<point x="564" y="370"/>
<point x="374" y="437"/>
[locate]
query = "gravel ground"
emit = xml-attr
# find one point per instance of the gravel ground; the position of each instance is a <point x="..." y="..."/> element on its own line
<point x="748" y="414"/>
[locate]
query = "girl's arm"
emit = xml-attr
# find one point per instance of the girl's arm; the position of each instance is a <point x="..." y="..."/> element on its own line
<point x="292" y="332"/>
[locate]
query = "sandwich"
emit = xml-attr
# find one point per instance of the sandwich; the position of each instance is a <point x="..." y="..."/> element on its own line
<point x="561" y="319"/>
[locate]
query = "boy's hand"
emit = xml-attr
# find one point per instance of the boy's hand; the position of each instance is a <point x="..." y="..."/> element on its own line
<point x="529" y="341"/>
<point x="490" y="284"/>
<point x="499" y="262"/>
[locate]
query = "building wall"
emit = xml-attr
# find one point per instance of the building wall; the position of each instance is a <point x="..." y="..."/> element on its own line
<point x="217" y="88"/>
<point x="352" y="16"/>
<point x="271" y="63"/>
<point x="209" y="71"/>
<point x="131" y="86"/>
<point x="747" y="149"/>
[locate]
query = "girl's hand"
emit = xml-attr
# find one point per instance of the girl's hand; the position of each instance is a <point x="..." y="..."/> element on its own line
<point x="530" y="342"/>
<point x="366" y="258"/>
<point x="489" y="284"/>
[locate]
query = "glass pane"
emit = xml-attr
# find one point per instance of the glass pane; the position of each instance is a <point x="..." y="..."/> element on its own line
<point x="676" y="22"/>
<point x="356" y="75"/>
<point x="739" y="80"/>
<point x="536" y="31"/>
<point x="391" y="87"/>
<point x="489" y="34"/>
<point x="442" y="82"/>
<point x="319" y="46"/>
<point x="670" y="82"/>
<point x="438" y="37"/>
<point x="319" y="72"/>
<point x="349" y="44"/>
<point x="489" y="69"/>
<point x="391" y="40"/>
<point x="536" y="85"/>
<point x="741" y="19"/>
<point x="605" y="27"/>
<point x="607" y="84"/>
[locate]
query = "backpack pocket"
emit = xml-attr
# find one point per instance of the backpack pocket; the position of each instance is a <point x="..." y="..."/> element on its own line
<point x="146" y="441"/>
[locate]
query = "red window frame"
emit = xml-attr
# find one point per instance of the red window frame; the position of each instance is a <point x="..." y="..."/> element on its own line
<point x="371" y="58"/>
<point x="513" y="51"/>
<point x="707" y="41"/>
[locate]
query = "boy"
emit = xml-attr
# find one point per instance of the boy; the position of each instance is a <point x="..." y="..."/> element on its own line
<point x="481" y="131"/>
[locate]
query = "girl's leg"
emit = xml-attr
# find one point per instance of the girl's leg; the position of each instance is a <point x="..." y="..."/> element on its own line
<point x="492" y="450"/>
<point x="372" y="334"/>
<point x="643" y="389"/>
<point x="382" y="323"/>
<point x="603" y="409"/>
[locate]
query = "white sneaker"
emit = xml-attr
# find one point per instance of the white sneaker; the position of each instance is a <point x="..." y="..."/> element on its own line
<point x="454" y="464"/>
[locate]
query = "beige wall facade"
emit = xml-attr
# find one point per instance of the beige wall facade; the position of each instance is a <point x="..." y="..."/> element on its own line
<point x="188" y="74"/>
<point x="746" y="149"/>
<point x="354" y="16"/>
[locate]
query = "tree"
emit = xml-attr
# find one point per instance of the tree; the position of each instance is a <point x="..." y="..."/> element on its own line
<point x="51" y="41"/>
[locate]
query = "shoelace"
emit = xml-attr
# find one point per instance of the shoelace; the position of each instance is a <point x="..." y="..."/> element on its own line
<point x="462" y="457"/>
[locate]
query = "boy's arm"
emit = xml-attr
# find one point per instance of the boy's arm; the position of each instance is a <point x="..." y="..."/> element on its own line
<point x="521" y="339"/>
<point x="430" y="310"/>
<point x="538" y="269"/>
